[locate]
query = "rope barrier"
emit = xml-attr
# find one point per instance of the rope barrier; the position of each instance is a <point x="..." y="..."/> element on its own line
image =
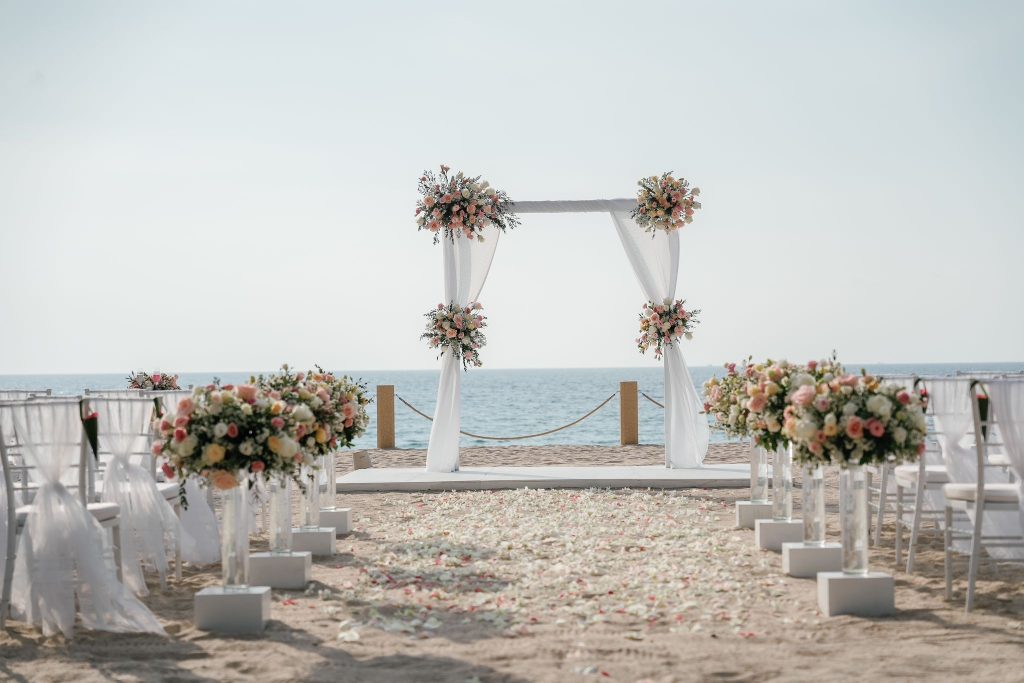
<point x="660" y="405"/>
<point x="512" y="438"/>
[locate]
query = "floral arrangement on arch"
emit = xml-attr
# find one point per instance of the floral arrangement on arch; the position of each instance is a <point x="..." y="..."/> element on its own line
<point x="853" y="420"/>
<point x="769" y="388"/>
<point x="459" y="330"/>
<point x="725" y="399"/>
<point x="461" y="205"/>
<point x="665" y="203"/>
<point x="158" y="381"/>
<point x="662" y="324"/>
<point x="221" y="431"/>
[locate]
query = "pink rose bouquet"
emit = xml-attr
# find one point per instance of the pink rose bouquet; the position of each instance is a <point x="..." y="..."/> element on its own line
<point x="348" y="401"/>
<point x="158" y="381"/>
<point x="458" y="330"/>
<point x="662" y="324"/>
<point x="725" y="399"/>
<point x="665" y="203"/>
<point x="220" y="431"/>
<point x="856" y="421"/>
<point x="461" y="206"/>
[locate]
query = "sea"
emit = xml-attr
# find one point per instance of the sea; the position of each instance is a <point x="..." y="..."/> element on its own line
<point x="506" y="402"/>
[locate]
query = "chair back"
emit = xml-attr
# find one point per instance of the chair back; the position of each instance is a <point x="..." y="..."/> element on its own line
<point x="124" y="428"/>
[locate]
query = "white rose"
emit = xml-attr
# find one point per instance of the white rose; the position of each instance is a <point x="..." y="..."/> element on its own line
<point x="801" y="379"/>
<point x="805" y="430"/>
<point x="465" y="193"/>
<point x="850" y="408"/>
<point x="246" y="409"/>
<point x="220" y="429"/>
<point x="880" y="405"/>
<point x="246" y="448"/>
<point x="302" y="413"/>
<point x="188" y="446"/>
<point x="899" y="435"/>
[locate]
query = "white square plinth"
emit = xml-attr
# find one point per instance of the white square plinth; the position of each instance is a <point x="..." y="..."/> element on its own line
<point x="339" y="518"/>
<point x="320" y="541"/>
<point x="747" y="512"/>
<point x="805" y="561"/>
<point x="244" y="611"/>
<point x="864" y="595"/>
<point x="770" y="534"/>
<point x="281" y="570"/>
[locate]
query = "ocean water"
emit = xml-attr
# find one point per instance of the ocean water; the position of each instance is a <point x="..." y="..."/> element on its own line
<point x="505" y="402"/>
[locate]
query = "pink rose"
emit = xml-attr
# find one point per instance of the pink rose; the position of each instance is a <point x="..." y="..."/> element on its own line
<point x="180" y="422"/>
<point x="812" y="365"/>
<point x="168" y="471"/>
<point x="277" y="423"/>
<point x="257" y="466"/>
<point x="180" y="435"/>
<point x="803" y="396"/>
<point x="848" y="380"/>
<point x="903" y="397"/>
<point x="247" y="393"/>
<point x="185" y="406"/>
<point x="875" y="428"/>
<point x="232" y="430"/>
<point x="348" y="410"/>
<point x="855" y="427"/>
<point x="157" y="377"/>
<point x="165" y="426"/>
<point x="757" y="403"/>
<point x="323" y="395"/>
<point x="451" y="334"/>
<point x="158" y="448"/>
<point x="821" y="403"/>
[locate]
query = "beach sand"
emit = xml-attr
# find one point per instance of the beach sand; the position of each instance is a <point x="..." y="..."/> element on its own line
<point x="556" y="586"/>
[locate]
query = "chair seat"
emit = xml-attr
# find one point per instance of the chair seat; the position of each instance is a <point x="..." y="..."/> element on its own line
<point x="994" y="493"/>
<point x="933" y="474"/>
<point x="168" y="489"/>
<point x="1001" y="459"/>
<point x="101" y="511"/>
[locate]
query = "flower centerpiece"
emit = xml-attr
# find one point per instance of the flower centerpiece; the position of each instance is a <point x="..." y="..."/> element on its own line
<point x="227" y="435"/>
<point x="725" y="400"/>
<point x="665" y="203"/>
<point x="459" y="330"/>
<point x="453" y="205"/>
<point x="854" y="421"/>
<point x="158" y="381"/>
<point x="349" y="401"/>
<point x="662" y="324"/>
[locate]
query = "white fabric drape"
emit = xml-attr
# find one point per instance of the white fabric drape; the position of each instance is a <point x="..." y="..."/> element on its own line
<point x="950" y="403"/>
<point x="1007" y="409"/>
<point x="655" y="262"/>
<point x="200" y="535"/>
<point x="148" y="523"/>
<point x="61" y="555"/>
<point x="466" y="264"/>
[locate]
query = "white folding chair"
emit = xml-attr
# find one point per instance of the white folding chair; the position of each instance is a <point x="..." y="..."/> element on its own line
<point x="980" y="496"/>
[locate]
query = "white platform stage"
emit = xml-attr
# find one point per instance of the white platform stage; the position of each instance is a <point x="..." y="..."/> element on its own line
<point x="712" y="476"/>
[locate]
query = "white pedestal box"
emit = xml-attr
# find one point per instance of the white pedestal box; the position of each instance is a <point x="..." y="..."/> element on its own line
<point x="805" y="561"/>
<point x="339" y="518"/>
<point x="863" y="595"/>
<point x="281" y="570"/>
<point x="238" y="612"/>
<point x="770" y="535"/>
<point x="748" y="512"/>
<point x="320" y="541"/>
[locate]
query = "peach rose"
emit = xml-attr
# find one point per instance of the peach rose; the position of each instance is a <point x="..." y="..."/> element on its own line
<point x="855" y="428"/>
<point x="247" y="393"/>
<point x="223" y="480"/>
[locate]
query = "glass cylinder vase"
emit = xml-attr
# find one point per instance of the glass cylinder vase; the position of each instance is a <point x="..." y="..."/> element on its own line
<point x="327" y="483"/>
<point x="758" y="474"/>
<point x="280" y="515"/>
<point x="310" y="507"/>
<point x="813" y="498"/>
<point x="782" y="484"/>
<point x="234" y="537"/>
<point x="853" y="518"/>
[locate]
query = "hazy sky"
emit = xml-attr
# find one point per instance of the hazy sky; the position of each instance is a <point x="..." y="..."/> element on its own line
<point x="230" y="185"/>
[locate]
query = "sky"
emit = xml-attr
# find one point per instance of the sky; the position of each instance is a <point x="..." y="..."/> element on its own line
<point x="223" y="186"/>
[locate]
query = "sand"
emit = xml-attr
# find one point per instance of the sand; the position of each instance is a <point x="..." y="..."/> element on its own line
<point x="556" y="586"/>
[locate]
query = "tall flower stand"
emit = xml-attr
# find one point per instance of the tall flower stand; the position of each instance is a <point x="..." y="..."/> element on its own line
<point x="331" y="515"/>
<point x="759" y="506"/>
<point x="770" y="534"/>
<point x="234" y="607"/>
<point x="855" y="590"/>
<point x="806" y="558"/>
<point x="311" y="536"/>
<point x="282" y="567"/>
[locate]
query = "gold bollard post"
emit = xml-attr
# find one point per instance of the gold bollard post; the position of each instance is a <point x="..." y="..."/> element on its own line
<point x="385" y="416"/>
<point x="629" y="414"/>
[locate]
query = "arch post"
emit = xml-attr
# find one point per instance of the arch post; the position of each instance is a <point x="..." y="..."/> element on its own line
<point x="629" y="414"/>
<point x="385" y="416"/>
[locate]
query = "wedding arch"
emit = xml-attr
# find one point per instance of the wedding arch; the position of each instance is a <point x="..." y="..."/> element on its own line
<point x="655" y="262"/>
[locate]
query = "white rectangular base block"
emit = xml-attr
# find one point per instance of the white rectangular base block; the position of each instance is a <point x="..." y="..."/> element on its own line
<point x="747" y="512"/>
<point x="865" y="595"/>
<point x="805" y="561"/>
<point x="339" y="518"/>
<point x="320" y="541"/>
<point x="770" y="535"/>
<point x="238" y="612"/>
<point x="281" y="570"/>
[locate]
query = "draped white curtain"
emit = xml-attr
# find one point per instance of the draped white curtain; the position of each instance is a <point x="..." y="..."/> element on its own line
<point x="148" y="523"/>
<point x="655" y="262"/>
<point x="200" y="535"/>
<point x="62" y="548"/>
<point x="1007" y="409"/>
<point x="466" y="264"/>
